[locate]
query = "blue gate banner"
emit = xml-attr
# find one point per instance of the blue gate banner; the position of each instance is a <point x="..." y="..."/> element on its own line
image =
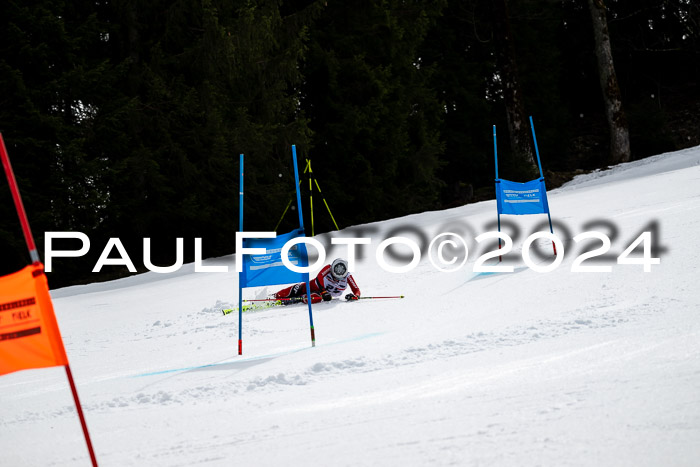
<point x="521" y="198"/>
<point x="268" y="269"/>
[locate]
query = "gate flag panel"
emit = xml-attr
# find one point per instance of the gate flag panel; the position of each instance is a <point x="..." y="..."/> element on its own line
<point x="517" y="199"/>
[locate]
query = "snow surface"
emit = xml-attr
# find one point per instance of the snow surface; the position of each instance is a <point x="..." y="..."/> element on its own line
<point x="522" y="368"/>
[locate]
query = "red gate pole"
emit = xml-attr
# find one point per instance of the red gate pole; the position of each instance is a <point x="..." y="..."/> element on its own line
<point x="35" y="259"/>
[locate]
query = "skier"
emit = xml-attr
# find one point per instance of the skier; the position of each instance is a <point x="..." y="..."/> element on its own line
<point x="330" y="282"/>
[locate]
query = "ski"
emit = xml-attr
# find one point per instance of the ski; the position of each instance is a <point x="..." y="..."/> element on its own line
<point x="264" y="304"/>
<point x="258" y="306"/>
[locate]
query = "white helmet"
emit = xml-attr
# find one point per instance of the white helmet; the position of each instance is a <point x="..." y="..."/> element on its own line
<point x="339" y="269"/>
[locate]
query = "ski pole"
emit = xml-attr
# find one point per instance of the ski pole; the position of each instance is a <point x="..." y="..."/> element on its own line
<point x="372" y="298"/>
<point x="293" y="298"/>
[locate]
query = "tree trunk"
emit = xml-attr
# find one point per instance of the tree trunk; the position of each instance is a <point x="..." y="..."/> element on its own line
<point x="508" y="71"/>
<point x="617" y="122"/>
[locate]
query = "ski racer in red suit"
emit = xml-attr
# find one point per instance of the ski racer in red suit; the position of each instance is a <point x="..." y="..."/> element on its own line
<point x="330" y="282"/>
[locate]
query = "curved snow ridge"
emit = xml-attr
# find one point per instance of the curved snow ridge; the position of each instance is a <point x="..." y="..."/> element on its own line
<point x="317" y="372"/>
<point x="660" y="163"/>
<point x="323" y="367"/>
<point x="585" y="320"/>
<point x="440" y="385"/>
<point x="279" y="379"/>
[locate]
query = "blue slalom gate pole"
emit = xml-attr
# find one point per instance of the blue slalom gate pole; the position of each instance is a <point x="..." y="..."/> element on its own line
<point x="498" y="212"/>
<point x="537" y="151"/>
<point x="240" y="258"/>
<point x="301" y="226"/>
<point x="495" y="150"/>
<point x="539" y="165"/>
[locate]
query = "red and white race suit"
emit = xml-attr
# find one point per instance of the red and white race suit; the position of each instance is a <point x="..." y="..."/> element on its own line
<point x="323" y="281"/>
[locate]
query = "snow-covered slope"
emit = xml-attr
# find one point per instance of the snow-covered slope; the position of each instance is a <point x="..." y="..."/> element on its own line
<point x="524" y="368"/>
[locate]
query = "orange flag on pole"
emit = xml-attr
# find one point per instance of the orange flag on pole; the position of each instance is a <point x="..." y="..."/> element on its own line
<point x="29" y="335"/>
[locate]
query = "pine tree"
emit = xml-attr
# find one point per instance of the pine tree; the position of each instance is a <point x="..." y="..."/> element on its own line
<point x="509" y="78"/>
<point x="617" y="120"/>
<point x="373" y="113"/>
<point x="51" y="70"/>
<point x="201" y="82"/>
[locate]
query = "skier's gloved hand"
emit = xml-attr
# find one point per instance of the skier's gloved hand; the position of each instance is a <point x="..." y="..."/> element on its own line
<point x="326" y="296"/>
<point x="351" y="296"/>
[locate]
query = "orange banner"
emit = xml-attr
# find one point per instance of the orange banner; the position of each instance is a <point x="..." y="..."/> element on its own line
<point x="29" y="335"/>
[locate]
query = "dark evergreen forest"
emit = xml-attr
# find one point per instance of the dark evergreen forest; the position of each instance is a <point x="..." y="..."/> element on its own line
<point x="125" y="118"/>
